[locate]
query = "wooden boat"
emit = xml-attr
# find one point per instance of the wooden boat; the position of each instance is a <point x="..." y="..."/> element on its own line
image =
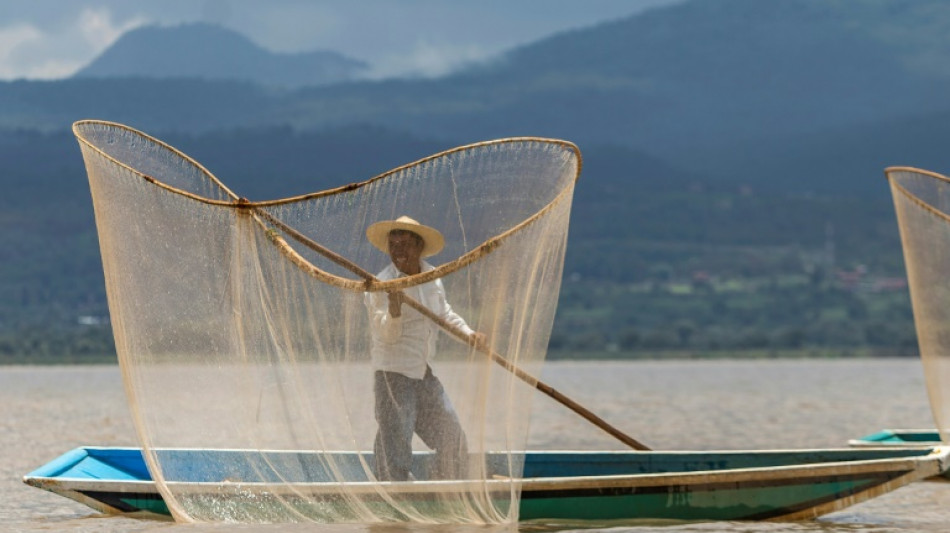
<point x="899" y="437"/>
<point x="568" y="485"/>
<point x="902" y="438"/>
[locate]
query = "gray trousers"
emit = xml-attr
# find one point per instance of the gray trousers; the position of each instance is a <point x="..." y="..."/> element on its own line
<point x="405" y="406"/>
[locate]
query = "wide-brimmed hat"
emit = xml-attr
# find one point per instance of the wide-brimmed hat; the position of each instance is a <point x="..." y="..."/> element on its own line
<point x="378" y="234"/>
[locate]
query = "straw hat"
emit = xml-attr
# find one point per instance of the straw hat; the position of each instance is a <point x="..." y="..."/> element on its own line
<point x="378" y="234"/>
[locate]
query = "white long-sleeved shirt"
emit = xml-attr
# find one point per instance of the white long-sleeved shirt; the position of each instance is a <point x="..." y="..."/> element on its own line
<point x="406" y="344"/>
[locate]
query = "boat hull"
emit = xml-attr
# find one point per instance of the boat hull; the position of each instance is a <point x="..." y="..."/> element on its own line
<point x="901" y="438"/>
<point x="591" y="486"/>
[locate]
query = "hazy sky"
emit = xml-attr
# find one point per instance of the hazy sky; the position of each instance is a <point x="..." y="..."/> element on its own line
<point x="48" y="39"/>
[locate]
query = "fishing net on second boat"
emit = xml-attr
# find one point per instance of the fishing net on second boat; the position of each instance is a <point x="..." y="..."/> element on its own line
<point x="278" y="364"/>
<point x="922" y="203"/>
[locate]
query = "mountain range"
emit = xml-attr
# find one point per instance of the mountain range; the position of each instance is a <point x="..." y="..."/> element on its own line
<point x="208" y="52"/>
<point x="705" y="125"/>
<point x="707" y="85"/>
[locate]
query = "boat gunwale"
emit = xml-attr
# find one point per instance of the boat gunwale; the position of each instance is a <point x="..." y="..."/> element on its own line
<point x="906" y="464"/>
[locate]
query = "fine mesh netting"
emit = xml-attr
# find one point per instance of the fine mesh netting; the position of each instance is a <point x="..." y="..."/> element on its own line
<point x="922" y="203"/>
<point x="246" y="330"/>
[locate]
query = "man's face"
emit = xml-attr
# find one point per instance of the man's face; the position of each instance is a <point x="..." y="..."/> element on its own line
<point x="405" y="250"/>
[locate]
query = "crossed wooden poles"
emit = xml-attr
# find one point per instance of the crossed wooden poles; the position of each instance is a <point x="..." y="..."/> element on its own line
<point x="456" y="332"/>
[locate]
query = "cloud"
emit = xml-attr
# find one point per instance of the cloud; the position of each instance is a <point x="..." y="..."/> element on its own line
<point x="98" y="30"/>
<point x="54" y="52"/>
<point x="12" y="40"/>
<point x="428" y="59"/>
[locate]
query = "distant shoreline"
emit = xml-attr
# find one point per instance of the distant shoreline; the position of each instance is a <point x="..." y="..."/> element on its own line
<point x="574" y="355"/>
<point x="20" y="360"/>
<point x="761" y="353"/>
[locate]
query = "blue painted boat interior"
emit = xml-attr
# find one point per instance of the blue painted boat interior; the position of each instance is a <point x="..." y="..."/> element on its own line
<point x="97" y="463"/>
<point x="889" y="436"/>
<point x="91" y="463"/>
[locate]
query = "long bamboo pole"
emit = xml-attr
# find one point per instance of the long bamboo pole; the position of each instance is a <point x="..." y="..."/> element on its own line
<point x="459" y="334"/>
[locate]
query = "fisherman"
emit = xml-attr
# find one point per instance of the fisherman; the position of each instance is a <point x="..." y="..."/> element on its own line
<point x="409" y="398"/>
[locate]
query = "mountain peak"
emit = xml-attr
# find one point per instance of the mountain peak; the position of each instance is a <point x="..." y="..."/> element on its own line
<point x="211" y="52"/>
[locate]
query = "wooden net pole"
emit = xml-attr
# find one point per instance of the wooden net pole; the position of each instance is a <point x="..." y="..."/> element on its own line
<point x="458" y="333"/>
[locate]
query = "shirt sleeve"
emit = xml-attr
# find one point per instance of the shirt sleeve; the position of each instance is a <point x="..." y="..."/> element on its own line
<point x="446" y="313"/>
<point x="386" y="327"/>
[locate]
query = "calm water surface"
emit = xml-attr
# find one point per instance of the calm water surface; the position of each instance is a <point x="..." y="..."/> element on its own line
<point x="690" y="405"/>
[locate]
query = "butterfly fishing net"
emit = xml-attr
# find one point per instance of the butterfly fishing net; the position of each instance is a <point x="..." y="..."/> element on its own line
<point x="922" y="203"/>
<point x="251" y="334"/>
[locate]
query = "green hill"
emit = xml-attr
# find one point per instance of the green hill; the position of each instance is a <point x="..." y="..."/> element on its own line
<point x="732" y="195"/>
<point x="653" y="250"/>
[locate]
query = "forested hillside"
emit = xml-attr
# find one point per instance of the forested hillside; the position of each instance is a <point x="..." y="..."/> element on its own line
<point x="732" y="196"/>
<point x="658" y="259"/>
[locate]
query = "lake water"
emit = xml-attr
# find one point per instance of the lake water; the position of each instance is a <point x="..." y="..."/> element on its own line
<point x="674" y="405"/>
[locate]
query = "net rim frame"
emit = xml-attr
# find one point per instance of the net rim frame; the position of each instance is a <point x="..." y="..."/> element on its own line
<point x="369" y="283"/>
<point x="927" y="358"/>
<point x="888" y="173"/>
